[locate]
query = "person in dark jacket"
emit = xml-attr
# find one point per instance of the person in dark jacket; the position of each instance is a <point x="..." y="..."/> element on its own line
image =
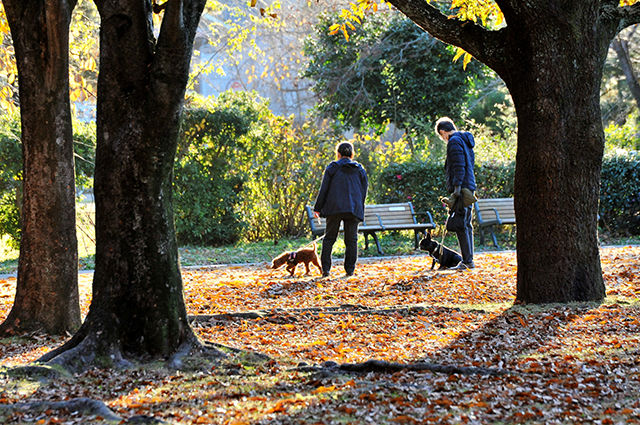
<point x="459" y="170"/>
<point x="341" y="200"/>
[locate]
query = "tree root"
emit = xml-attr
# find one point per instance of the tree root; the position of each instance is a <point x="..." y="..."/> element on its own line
<point x="39" y="372"/>
<point x="85" y="405"/>
<point x="380" y="366"/>
<point x="191" y="344"/>
<point x="76" y="357"/>
<point x="345" y="309"/>
<point x="260" y="356"/>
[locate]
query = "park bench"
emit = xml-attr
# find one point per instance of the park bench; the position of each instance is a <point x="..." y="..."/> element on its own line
<point x="380" y="218"/>
<point x="492" y="212"/>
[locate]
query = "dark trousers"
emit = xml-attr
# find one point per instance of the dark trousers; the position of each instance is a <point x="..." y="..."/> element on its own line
<point x="465" y="237"/>
<point x="350" y="241"/>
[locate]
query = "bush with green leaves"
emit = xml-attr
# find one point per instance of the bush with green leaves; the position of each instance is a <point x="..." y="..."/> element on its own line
<point x="284" y="176"/>
<point x="620" y="193"/>
<point x="207" y="188"/>
<point x="424" y="184"/>
<point x="242" y="171"/>
<point x="623" y="137"/>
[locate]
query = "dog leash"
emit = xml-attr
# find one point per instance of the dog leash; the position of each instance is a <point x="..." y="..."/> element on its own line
<point x="312" y="242"/>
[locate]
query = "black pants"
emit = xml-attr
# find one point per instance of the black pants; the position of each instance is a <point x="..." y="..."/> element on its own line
<point x="465" y="237"/>
<point x="350" y="241"/>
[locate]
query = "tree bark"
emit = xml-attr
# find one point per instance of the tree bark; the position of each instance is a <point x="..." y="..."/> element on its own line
<point x="555" y="86"/>
<point x="47" y="288"/>
<point x="138" y="308"/>
<point x="551" y="57"/>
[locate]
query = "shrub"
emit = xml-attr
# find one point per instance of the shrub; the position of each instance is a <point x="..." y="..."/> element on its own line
<point x="206" y="187"/>
<point x="620" y="194"/>
<point x="285" y="176"/>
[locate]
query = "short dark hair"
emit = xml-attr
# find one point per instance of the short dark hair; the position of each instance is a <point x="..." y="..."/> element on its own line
<point x="345" y="149"/>
<point x="445" y="124"/>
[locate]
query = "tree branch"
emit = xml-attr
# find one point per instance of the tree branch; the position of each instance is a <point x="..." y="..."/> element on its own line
<point x="630" y="16"/>
<point x="486" y="46"/>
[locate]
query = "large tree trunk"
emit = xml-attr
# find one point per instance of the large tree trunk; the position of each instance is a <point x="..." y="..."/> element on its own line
<point x="554" y="81"/>
<point x="550" y="54"/>
<point x="47" y="288"/>
<point x="138" y="305"/>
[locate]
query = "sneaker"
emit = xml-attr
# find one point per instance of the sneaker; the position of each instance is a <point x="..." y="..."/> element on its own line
<point x="326" y="274"/>
<point x="347" y="274"/>
<point x="464" y="266"/>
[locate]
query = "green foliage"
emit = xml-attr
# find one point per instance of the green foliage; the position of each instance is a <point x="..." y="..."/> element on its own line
<point x="626" y="136"/>
<point x="242" y="171"/>
<point x="284" y="177"/>
<point x="207" y="188"/>
<point x="620" y="194"/>
<point x="388" y="71"/>
<point x="423" y="183"/>
<point x="10" y="179"/>
<point x="11" y="153"/>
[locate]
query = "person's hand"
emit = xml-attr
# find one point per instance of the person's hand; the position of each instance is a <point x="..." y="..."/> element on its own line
<point x="456" y="192"/>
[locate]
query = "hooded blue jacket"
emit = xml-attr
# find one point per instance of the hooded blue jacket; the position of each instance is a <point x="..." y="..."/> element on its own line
<point x="460" y="163"/>
<point x="343" y="189"/>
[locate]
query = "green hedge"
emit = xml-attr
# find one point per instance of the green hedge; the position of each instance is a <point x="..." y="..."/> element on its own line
<point x="620" y="194"/>
<point x="423" y="184"/>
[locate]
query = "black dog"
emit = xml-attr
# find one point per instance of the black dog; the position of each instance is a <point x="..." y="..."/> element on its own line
<point x="440" y="253"/>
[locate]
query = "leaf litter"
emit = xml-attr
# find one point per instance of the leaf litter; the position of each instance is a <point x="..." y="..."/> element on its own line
<point x="573" y="363"/>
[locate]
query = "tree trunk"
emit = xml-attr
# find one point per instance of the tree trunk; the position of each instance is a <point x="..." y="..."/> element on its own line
<point x="138" y="305"/>
<point x="555" y="87"/>
<point x="550" y="54"/>
<point x="47" y="288"/>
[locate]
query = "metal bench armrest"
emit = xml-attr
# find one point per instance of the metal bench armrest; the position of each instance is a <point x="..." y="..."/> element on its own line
<point x="427" y="213"/>
<point x="497" y="216"/>
<point x="379" y="220"/>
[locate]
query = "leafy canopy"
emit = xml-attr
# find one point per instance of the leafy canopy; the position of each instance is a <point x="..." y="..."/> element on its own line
<point x="388" y="71"/>
<point x="484" y="12"/>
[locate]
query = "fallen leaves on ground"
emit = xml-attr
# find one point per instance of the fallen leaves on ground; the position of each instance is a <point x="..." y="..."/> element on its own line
<point x="575" y="363"/>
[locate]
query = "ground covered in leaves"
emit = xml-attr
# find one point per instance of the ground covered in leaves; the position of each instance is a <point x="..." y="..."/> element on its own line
<point x="452" y="348"/>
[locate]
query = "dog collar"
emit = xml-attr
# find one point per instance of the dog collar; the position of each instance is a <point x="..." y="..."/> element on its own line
<point x="292" y="257"/>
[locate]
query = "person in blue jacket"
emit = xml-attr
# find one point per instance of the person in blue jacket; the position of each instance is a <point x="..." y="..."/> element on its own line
<point x="341" y="200"/>
<point x="459" y="170"/>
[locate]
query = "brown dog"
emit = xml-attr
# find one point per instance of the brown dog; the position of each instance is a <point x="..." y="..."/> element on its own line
<point x="292" y="259"/>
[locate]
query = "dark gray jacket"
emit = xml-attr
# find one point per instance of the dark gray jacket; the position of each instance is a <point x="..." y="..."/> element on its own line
<point x="343" y="190"/>
<point x="460" y="163"/>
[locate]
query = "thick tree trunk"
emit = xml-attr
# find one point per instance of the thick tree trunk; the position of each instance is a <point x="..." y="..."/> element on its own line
<point x="550" y="54"/>
<point x="138" y="305"/>
<point x="555" y="84"/>
<point x="47" y="288"/>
